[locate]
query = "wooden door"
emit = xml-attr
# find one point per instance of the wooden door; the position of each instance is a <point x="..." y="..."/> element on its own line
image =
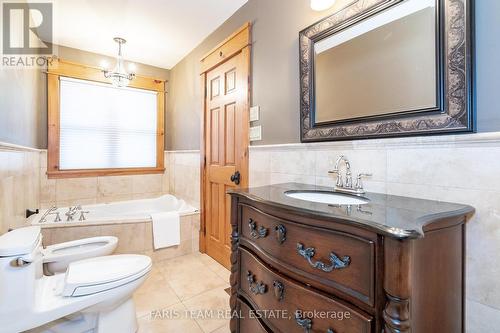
<point x="225" y="153"/>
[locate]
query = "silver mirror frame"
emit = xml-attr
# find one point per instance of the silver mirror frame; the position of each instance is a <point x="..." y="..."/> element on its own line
<point x="455" y="112"/>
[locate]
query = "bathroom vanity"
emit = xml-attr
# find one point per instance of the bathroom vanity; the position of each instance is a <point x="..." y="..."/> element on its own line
<point x="382" y="263"/>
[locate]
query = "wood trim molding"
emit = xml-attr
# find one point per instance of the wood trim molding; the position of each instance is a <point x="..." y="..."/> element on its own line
<point x="203" y="227"/>
<point x="79" y="71"/>
<point x="227" y="48"/>
<point x="53" y="120"/>
<point x="74" y="70"/>
<point x="103" y="172"/>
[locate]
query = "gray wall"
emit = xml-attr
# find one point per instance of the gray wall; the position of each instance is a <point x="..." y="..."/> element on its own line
<point x="275" y="73"/>
<point x="23" y="97"/>
<point x="23" y="107"/>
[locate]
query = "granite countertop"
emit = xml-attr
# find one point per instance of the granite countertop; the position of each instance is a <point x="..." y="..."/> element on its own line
<point x="395" y="216"/>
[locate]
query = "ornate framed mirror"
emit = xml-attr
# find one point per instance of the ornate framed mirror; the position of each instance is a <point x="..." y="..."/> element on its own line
<point x="384" y="68"/>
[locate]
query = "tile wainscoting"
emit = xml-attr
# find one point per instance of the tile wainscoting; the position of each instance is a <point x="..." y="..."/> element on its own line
<point x="94" y="190"/>
<point x="183" y="168"/>
<point x="181" y="178"/>
<point x="456" y="168"/>
<point x="19" y="184"/>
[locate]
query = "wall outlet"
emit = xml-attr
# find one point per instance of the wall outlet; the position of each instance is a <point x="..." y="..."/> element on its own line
<point x="254" y="113"/>
<point x="255" y="133"/>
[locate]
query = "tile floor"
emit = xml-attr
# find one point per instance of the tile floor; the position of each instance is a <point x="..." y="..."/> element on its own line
<point x="184" y="295"/>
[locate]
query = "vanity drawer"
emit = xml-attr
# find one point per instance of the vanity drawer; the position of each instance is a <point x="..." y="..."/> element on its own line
<point x="248" y="322"/>
<point x="334" y="261"/>
<point x="269" y="290"/>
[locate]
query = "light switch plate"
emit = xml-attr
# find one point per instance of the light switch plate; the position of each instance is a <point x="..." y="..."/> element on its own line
<point x="254" y="113"/>
<point x="255" y="133"/>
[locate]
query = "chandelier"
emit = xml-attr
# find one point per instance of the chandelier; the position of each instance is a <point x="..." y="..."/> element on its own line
<point x="119" y="76"/>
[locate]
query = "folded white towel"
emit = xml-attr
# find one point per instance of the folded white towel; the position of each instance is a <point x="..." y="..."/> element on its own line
<point x="166" y="229"/>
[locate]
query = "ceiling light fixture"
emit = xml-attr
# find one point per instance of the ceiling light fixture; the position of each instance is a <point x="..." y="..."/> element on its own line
<point x="119" y="76"/>
<point x="320" y="5"/>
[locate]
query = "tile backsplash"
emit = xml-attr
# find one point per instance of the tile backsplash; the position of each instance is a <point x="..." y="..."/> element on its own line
<point x="181" y="178"/>
<point x="19" y="184"/>
<point x="85" y="191"/>
<point x="458" y="168"/>
<point x="183" y="168"/>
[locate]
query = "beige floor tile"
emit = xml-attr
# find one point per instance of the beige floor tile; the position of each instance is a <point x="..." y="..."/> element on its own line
<point x="196" y="279"/>
<point x="224" y="274"/>
<point x="155" y="279"/>
<point x="215" y="301"/>
<point x="188" y="276"/>
<point x="223" y="329"/>
<point x="182" y="265"/>
<point x="154" y="295"/>
<point x="196" y="283"/>
<point x="215" y="267"/>
<point x="170" y="323"/>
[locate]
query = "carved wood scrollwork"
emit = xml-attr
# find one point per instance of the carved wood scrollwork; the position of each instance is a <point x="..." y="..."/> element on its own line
<point x="234" y="278"/>
<point x="397" y="315"/>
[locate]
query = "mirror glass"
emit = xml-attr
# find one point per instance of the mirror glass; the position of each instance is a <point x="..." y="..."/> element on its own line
<point x="385" y="64"/>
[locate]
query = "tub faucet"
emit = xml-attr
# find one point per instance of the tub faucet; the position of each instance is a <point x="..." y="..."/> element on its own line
<point x="347" y="185"/>
<point x="50" y="211"/>
<point x="57" y="218"/>
<point x="71" y="212"/>
<point x="82" y="215"/>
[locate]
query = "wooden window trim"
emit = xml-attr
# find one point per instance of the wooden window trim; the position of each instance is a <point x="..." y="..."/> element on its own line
<point x="61" y="68"/>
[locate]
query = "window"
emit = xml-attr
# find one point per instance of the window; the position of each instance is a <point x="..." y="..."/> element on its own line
<point x="106" y="127"/>
<point x="98" y="129"/>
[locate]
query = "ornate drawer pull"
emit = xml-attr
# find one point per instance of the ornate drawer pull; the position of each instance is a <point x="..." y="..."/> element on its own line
<point x="255" y="287"/>
<point x="279" y="290"/>
<point x="336" y="262"/>
<point x="280" y="233"/>
<point x="305" y="323"/>
<point x="261" y="232"/>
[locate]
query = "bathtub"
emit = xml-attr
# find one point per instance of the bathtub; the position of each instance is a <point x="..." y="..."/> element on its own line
<point x="116" y="212"/>
<point x="130" y="221"/>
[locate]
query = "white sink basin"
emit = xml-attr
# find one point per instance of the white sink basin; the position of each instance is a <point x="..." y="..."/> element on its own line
<point x="327" y="197"/>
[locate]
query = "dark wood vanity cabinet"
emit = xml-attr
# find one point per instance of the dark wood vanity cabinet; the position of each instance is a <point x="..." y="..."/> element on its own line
<point x="297" y="271"/>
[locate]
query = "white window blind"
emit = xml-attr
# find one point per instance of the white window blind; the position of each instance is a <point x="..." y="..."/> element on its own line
<point x="102" y="126"/>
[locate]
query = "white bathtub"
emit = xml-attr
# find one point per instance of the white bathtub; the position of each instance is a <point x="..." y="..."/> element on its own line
<point x="132" y="211"/>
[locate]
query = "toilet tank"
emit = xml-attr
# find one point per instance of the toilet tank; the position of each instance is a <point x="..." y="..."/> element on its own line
<point x="20" y="267"/>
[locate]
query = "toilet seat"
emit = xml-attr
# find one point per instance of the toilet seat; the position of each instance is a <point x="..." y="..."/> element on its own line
<point x="90" y="276"/>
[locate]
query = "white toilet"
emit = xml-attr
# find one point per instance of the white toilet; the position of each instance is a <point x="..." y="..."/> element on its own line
<point x="57" y="257"/>
<point x="94" y="295"/>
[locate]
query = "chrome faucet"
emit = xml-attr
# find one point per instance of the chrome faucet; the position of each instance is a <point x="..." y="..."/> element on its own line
<point x="71" y="212"/>
<point x="82" y="215"/>
<point x="347" y="185"/>
<point x="57" y="218"/>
